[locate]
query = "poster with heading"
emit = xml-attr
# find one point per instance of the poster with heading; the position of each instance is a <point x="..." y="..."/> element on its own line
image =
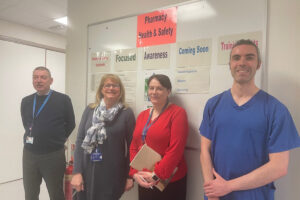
<point x="156" y="57"/>
<point x="158" y="27"/>
<point x="125" y="60"/>
<point x="100" y="61"/>
<point x="225" y="44"/>
<point x="194" y="53"/>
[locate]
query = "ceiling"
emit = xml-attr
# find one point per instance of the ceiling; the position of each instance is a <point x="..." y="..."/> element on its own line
<point x="38" y="14"/>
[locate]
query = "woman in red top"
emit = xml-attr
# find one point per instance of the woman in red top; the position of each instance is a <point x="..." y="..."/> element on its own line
<point x="164" y="128"/>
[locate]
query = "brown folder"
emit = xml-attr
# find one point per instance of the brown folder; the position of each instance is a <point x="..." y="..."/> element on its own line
<point x="146" y="158"/>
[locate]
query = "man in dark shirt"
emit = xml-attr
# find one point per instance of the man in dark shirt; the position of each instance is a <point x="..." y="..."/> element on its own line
<point x="48" y="120"/>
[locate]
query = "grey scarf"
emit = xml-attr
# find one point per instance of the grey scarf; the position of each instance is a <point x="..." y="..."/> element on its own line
<point x="96" y="134"/>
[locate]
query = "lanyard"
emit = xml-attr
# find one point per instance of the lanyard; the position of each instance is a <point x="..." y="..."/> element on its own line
<point x="42" y="106"/>
<point x="147" y="125"/>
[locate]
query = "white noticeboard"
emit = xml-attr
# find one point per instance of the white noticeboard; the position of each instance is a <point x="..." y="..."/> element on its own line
<point x="208" y="23"/>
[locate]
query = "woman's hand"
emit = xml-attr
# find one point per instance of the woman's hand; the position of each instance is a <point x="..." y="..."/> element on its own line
<point x="77" y="182"/>
<point x="129" y="184"/>
<point x="144" y="179"/>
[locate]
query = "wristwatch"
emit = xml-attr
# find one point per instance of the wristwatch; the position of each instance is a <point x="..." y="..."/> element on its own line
<point x="154" y="177"/>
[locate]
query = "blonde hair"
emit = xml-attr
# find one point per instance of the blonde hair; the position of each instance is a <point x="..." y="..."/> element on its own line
<point x="99" y="95"/>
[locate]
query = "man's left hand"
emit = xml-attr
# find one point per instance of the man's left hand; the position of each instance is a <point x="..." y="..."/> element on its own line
<point x="217" y="187"/>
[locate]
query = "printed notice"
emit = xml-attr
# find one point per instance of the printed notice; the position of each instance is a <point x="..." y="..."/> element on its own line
<point x="126" y="60"/>
<point x="156" y="57"/>
<point x="192" y="79"/>
<point x="129" y="81"/>
<point x="95" y="81"/>
<point x="100" y="61"/>
<point x="194" y="53"/>
<point x="93" y="86"/>
<point x="226" y="42"/>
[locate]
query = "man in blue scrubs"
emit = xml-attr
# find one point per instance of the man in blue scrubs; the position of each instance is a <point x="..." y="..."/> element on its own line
<point x="246" y="135"/>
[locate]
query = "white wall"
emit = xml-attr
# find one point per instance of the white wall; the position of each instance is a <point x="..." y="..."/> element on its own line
<point x="32" y="35"/>
<point x="18" y="61"/>
<point x="283" y="46"/>
<point x="284" y="77"/>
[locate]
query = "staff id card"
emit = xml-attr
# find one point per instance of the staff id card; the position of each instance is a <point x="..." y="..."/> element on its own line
<point x="29" y="140"/>
<point x="96" y="156"/>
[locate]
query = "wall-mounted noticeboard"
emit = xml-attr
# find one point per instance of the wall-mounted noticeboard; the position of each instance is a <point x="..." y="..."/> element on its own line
<point x="196" y="61"/>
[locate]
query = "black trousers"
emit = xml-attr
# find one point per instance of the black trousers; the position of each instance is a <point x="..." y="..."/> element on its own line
<point x="50" y="167"/>
<point x="174" y="191"/>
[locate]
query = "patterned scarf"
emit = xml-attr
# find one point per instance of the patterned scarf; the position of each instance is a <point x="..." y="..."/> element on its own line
<point x="96" y="134"/>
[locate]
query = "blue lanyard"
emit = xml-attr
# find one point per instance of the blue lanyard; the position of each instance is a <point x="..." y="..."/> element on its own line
<point x="146" y="127"/>
<point x="42" y="106"/>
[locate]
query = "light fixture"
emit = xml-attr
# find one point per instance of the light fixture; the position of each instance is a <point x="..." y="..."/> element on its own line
<point x="62" y="20"/>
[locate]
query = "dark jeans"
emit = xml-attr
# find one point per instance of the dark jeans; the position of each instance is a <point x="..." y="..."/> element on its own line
<point x="50" y="167"/>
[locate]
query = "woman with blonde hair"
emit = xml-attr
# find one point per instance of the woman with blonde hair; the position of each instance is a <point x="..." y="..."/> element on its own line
<point x="101" y="155"/>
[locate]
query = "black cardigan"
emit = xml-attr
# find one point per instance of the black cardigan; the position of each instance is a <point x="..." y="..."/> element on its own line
<point x="52" y="126"/>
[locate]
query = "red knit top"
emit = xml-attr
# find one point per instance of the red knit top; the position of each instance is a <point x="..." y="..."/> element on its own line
<point x="167" y="136"/>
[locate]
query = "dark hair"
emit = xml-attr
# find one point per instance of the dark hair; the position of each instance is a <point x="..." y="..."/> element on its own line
<point x="247" y="42"/>
<point x="42" y="68"/>
<point x="162" y="79"/>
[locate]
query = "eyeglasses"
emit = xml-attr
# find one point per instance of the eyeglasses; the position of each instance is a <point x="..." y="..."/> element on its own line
<point x="111" y="85"/>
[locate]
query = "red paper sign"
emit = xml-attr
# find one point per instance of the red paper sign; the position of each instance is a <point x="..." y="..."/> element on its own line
<point x="158" y="27"/>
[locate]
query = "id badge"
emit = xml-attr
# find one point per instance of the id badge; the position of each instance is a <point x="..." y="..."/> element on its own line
<point x="29" y="140"/>
<point x="96" y="156"/>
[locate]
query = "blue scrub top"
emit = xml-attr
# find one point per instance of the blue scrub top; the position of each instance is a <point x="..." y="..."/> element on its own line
<point x="243" y="137"/>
